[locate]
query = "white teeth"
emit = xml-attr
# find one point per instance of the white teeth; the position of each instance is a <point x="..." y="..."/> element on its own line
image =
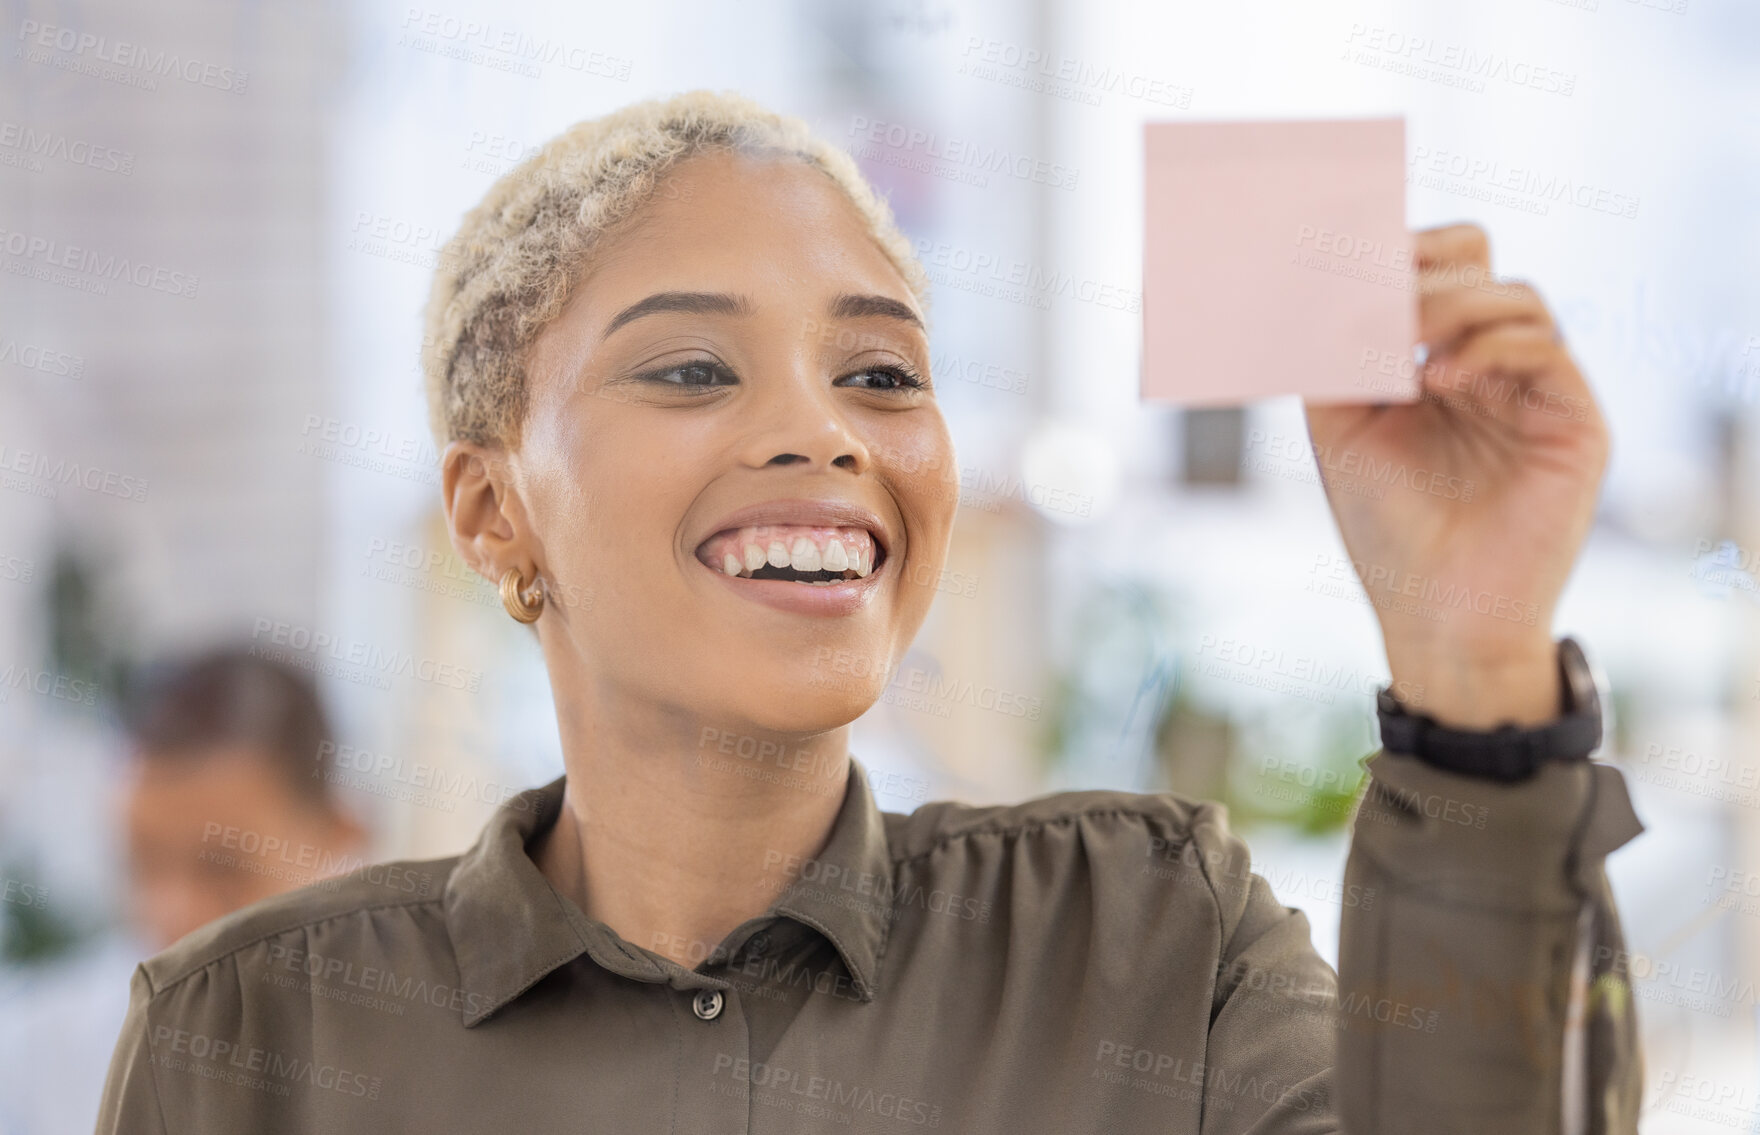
<point x="751" y="548"/>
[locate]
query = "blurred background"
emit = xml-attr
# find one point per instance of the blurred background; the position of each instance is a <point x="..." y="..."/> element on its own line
<point x="217" y="227"/>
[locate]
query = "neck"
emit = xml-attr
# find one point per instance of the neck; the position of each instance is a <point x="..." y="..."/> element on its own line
<point x="673" y="830"/>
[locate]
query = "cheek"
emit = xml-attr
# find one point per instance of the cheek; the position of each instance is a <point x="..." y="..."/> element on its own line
<point x="609" y="526"/>
<point x="925" y="471"/>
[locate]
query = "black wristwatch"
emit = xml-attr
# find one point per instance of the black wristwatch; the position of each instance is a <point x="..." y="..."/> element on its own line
<point x="1507" y="753"/>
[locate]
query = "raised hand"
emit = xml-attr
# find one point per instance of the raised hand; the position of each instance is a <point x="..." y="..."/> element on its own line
<point x="1464" y="512"/>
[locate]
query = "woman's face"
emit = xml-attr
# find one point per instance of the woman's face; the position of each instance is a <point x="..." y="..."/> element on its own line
<point x="734" y="384"/>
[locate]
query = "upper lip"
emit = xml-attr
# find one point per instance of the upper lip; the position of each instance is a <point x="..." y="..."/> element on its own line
<point x="815" y="513"/>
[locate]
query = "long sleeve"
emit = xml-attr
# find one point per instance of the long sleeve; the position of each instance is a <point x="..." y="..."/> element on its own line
<point x="1495" y="914"/>
<point x="130" y="1104"/>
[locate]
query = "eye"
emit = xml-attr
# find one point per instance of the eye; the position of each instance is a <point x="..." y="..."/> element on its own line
<point x="893" y="376"/>
<point x="699" y="373"/>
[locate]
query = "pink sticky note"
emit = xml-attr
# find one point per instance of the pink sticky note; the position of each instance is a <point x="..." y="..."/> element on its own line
<point x="1276" y="260"/>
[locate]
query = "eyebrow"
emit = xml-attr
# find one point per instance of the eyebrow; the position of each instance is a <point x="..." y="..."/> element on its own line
<point x="857" y="307"/>
<point x="692" y="303"/>
<point x="720" y="303"/>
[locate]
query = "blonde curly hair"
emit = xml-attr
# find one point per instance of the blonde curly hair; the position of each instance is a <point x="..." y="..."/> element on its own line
<point x="515" y="260"/>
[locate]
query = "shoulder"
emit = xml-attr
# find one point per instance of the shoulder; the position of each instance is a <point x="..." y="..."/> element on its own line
<point x="1153" y="837"/>
<point x="400" y="885"/>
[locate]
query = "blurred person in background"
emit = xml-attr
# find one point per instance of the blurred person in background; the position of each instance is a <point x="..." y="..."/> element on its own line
<point x="230" y="801"/>
<point x="227" y="800"/>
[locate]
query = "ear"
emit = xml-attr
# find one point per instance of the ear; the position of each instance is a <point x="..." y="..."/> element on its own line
<point x="484" y="513"/>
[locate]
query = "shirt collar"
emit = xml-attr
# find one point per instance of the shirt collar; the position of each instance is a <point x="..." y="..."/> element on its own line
<point x="509" y="927"/>
<point x="846" y="891"/>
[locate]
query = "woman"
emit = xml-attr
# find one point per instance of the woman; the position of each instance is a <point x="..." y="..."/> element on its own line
<point x="679" y="361"/>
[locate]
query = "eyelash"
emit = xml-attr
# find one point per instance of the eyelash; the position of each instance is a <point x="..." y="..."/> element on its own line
<point x="906" y="376"/>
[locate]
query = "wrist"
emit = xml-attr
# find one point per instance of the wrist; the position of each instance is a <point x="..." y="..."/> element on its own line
<point x="1464" y="687"/>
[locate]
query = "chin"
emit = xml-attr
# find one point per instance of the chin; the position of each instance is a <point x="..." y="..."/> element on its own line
<point x="816" y="704"/>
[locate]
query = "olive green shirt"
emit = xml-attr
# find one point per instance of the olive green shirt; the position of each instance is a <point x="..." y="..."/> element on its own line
<point x="1092" y="961"/>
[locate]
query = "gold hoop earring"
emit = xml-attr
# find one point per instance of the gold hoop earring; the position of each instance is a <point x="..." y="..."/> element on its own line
<point x="513" y="597"/>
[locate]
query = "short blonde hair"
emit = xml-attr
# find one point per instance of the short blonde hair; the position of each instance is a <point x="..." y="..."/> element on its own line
<point x="516" y="258"/>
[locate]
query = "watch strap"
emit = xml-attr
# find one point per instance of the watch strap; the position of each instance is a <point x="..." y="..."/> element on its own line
<point x="1509" y="752"/>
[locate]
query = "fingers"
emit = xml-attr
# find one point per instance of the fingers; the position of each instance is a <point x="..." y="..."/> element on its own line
<point x="1451" y="311"/>
<point x="1510" y="369"/>
<point x="1457" y="292"/>
<point x="1451" y="244"/>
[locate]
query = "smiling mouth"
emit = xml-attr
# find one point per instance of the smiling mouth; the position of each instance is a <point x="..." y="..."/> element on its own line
<point x="817" y="556"/>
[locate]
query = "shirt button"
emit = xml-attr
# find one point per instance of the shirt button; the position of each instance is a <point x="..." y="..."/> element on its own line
<point x="707" y="1004"/>
<point x="759" y="945"/>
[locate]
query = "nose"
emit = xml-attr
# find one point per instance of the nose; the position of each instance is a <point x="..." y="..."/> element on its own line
<point x="797" y="420"/>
